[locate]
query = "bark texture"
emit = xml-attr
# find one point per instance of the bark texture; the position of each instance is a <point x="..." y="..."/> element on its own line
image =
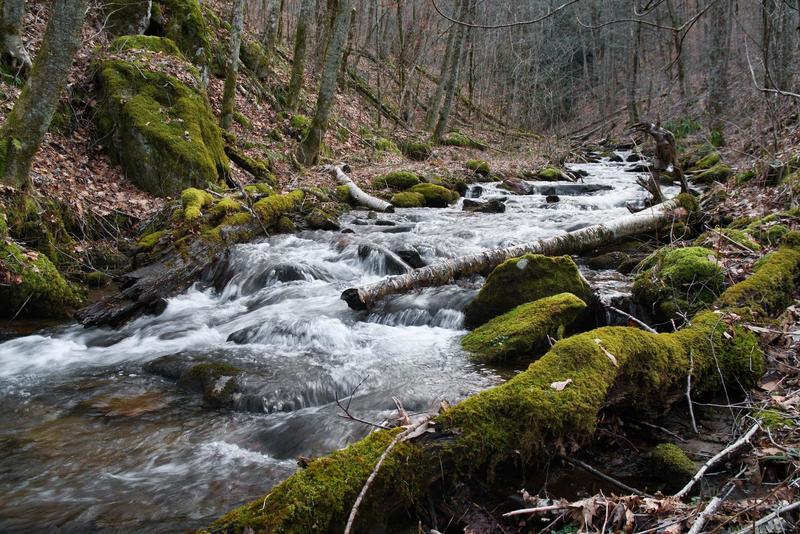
<point x="12" y="13"/>
<point x="452" y="78"/>
<point x="308" y="151"/>
<point x="232" y="68"/>
<point x="442" y="272"/>
<point x="299" y="57"/>
<point x="358" y="195"/>
<point x="27" y="123"/>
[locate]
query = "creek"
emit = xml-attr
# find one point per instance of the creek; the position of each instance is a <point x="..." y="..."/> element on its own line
<point x="89" y="441"/>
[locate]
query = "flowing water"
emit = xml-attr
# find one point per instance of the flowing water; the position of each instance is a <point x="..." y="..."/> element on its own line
<point x="90" y="441"/>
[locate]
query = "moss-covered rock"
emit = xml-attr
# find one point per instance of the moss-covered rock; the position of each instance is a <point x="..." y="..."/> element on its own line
<point x="416" y="150"/>
<point x="408" y="199"/>
<point x="272" y="208"/>
<point x="436" y="196"/>
<point x="478" y="166"/>
<point x="460" y="140"/>
<point x="397" y="180"/>
<point x="217" y="381"/>
<point x="550" y="174"/>
<point x="30" y="285"/>
<point x="149" y="241"/>
<point x="385" y="145"/>
<point x="691" y="155"/>
<point x="524" y="331"/>
<point x="193" y="201"/>
<point x="254" y="57"/>
<point x="525" y="279"/>
<point x="299" y="125"/>
<point x="670" y="464"/>
<point x="678" y="281"/>
<point x="259" y="168"/>
<point x="706" y="162"/>
<point x="319" y="219"/>
<point x="127" y="17"/>
<point x="149" y="43"/>
<point x="718" y="173"/>
<point x="160" y="129"/>
<point x="183" y="22"/>
<point x="259" y="190"/>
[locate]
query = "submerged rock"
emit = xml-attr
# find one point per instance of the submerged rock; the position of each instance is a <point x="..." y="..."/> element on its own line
<point x="488" y="206"/>
<point x="525" y="279"/>
<point x="216" y="380"/>
<point x="525" y="330"/>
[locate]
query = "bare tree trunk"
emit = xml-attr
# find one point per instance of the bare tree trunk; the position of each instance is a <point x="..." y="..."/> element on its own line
<point x="308" y="151"/>
<point x="12" y="13"/>
<point x="453" y="77"/>
<point x="27" y="123"/>
<point x="229" y="94"/>
<point x="299" y="57"/>
<point x="719" y="52"/>
<point x="442" y="272"/>
<point x="633" y="108"/>
<point x="358" y="194"/>
<point x="674" y="17"/>
<point x="270" y="35"/>
<point x="347" y="50"/>
<point x="436" y="100"/>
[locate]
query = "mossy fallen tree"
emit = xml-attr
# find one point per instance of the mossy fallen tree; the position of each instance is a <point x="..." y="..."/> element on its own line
<point x="557" y="400"/>
<point x="440" y="273"/>
<point x="185" y="258"/>
<point x="357" y="194"/>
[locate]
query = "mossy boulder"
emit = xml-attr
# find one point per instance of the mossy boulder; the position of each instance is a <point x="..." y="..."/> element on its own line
<point x="460" y="140"/>
<point x="320" y="219"/>
<point x="478" y="166"/>
<point x="254" y="57"/>
<point x="397" y="180"/>
<point x="299" y="125"/>
<point x="383" y="144"/>
<point x="127" y="17"/>
<point x="183" y="22"/>
<point x="436" y="196"/>
<point x="692" y="154"/>
<point x="525" y="279"/>
<point x="149" y="43"/>
<point x="270" y="209"/>
<point x="160" y="129"/>
<point x="193" y="201"/>
<point x="31" y="286"/>
<point x="706" y="162"/>
<point x="670" y="464"/>
<point x="718" y="173"/>
<point x="408" y="199"/>
<point x="416" y="150"/>
<point x="217" y="381"/>
<point x="678" y="281"/>
<point x="550" y="174"/>
<point x="525" y="331"/>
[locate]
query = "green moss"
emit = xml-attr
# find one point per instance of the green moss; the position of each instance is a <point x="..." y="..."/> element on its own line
<point x="407" y="199"/>
<point x="161" y="130"/>
<point x="460" y="140"/>
<point x="225" y="206"/>
<point x="397" y="180"/>
<point x="193" y="201"/>
<point x="271" y="208"/>
<point x="744" y="177"/>
<point x="145" y="42"/>
<point x="678" y="281"/>
<point x="254" y="57"/>
<point x="416" y="150"/>
<point x="671" y="464"/>
<point x="3" y="225"/>
<point x="385" y="145"/>
<point x="96" y="279"/>
<point x="714" y="237"/>
<point x="706" y="162"/>
<point x="32" y="286"/>
<point x="774" y="419"/>
<point x="688" y="202"/>
<point x="239" y="117"/>
<point x="478" y="166"/>
<point x="770" y="288"/>
<point x="436" y="196"/>
<point x="525" y="330"/>
<point x="718" y="173"/>
<point x="525" y="279"/>
<point x="299" y="125"/>
<point x="550" y="174"/>
<point x="691" y="155"/>
<point x="285" y="225"/>
<point x="343" y="193"/>
<point x="258" y="190"/>
<point x="186" y="26"/>
<point x="149" y="241"/>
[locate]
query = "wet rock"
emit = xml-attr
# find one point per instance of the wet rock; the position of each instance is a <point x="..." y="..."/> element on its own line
<point x="639" y="168"/>
<point x="321" y="220"/>
<point x="396" y="229"/>
<point x="393" y="264"/>
<point x="461" y="188"/>
<point x="384" y="222"/>
<point x="475" y="192"/>
<point x="361" y="222"/>
<point x="516" y="186"/>
<point x="348" y="231"/>
<point x="615" y="158"/>
<point x="411" y="257"/>
<point x="570" y="189"/>
<point x="372" y="215"/>
<point x="552" y="199"/>
<point x="633" y="158"/>
<point x="488" y="206"/>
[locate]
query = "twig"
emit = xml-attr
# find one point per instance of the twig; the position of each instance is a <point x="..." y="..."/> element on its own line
<point x="716" y="458"/>
<point x="689" y="391"/>
<point x="604" y="476"/>
<point x="397" y="439"/>
<point x="644" y="325"/>
<point x="709" y="510"/>
<point x="769" y="517"/>
<point x="661" y="428"/>
<point x="538" y="509"/>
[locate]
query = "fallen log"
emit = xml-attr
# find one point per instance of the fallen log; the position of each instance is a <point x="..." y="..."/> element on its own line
<point x="356" y="193"/>
<point x="556" y="401"/>
<point x="440" y="273"/>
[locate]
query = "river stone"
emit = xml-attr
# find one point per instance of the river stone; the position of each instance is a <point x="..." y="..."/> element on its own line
<point x="552" y="199"/>
<point x="633" y="158"/>
<point x="411" y="257"/>
<point x="525" y="279"/>
<point x="489" y="206"/>
<point x="516" y="186"/>
<point x="641" y="167"/>
<point x="616" y="158"/>
<point x="320" y="220"/>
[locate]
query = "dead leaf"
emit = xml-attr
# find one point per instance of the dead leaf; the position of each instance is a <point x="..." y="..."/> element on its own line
<point x="559" y="386"/>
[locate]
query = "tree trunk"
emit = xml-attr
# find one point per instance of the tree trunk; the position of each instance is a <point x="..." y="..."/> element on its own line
<point x="357" y="194"/>
<point x="299" y="57"/>
<point x="270" y="35"/>
<point x="308" y="151"/>
<point x="229" y="94"/>
<point x="347" y="50"/>
<point x="453" y="77"/>
<point x="27" y="123"/>
<point x="719" y="52"/>
<point x="444" y="271"/>
<point x="12" y="13"/>
<point x="436" y="99"/>
<point x="633" y="108"/>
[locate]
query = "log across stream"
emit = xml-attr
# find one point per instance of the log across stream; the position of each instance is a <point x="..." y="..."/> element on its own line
<point x="93" y="441"/>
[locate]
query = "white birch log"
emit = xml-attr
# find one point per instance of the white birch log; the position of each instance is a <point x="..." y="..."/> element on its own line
<point x="357" y="194"/>
<point x="440" y="273"/>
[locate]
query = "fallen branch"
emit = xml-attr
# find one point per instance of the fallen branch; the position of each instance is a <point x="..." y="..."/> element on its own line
<point x="356" y="193"/>
<point x="604" y="476"/>
<point x="644" y="325"/>
<point x="709" y="510"/>
<point x="440" y="273"/>
<point x="769" y="517"/>
<point x="716" y="458"/>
